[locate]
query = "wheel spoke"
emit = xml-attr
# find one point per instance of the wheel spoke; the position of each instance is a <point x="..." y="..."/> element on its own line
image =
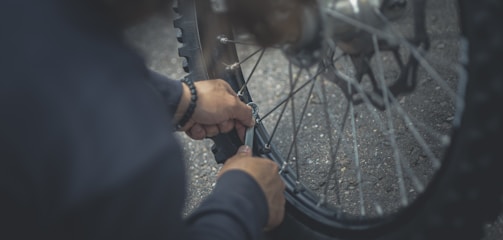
<point x="391" y="128"/>
<point x="356" y="158"/>
<point x="284" y="105"/>
<point x="409" y="123"/>
<point x="415" y="133"/>
<point x="334" y="152"/>
<point x="365" y="99"/>
<point x="292" y="94"/>
<point x="416" y="125"/>
<point x="422" y="60"/>
<point x="298" y="127"/>
<point x="396" y="36"/>
<point x="240" y="92"/>
<point x="238" y="64"/>
<point x="225" y="40"/>
<point x="294" y="128"/>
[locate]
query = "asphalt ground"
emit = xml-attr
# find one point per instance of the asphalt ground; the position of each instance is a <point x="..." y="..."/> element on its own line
<point x="156" y="40"/>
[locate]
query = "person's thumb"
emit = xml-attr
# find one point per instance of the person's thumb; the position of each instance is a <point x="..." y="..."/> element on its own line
<point x="237" y="161"/>
<point x="244" y="151"/>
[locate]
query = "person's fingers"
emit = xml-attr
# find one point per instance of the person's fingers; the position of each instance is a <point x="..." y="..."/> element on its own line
<point x="241" y="130"/>
<point x="211" y="130"/>
<point x="226" y="126"/>
<point x="265" y="173"/>
<point x="196" y="132"/>
<point x="277" y="210"/>
<point x="242" y="113"/>
<point x="244" y="151"/>
<point x="232" y="163"/>
<point x="276" y="200"/>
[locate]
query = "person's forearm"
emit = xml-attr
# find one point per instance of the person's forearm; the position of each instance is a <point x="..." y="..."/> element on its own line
<point x="236" y="209"/>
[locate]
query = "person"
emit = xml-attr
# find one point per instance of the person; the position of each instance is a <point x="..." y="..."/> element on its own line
<point x="87" y="149"/>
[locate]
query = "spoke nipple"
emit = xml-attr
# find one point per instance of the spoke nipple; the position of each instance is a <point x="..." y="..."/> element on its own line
<point x="379" y="209"/>
<point x="233" y="66"/>
<point x="223" y="39"/>
<point x="298" y="188"/>
<point x="265" y="150"/>
<point x="322" y="201"/>
<point x="283" y="169"/>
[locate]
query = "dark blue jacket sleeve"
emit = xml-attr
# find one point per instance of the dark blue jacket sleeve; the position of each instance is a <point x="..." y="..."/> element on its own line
<point x="170" y="90"/>
<point x="86" y="151"/>
<point x="237" y="209"/>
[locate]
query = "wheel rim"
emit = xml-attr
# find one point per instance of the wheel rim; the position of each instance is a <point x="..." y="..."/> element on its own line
<point x="316" y="200"/>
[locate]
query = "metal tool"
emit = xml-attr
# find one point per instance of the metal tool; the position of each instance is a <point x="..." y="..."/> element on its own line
<point x="250" y="132"/>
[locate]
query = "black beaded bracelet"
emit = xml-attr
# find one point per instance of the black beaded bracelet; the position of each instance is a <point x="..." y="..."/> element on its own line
<point x="192" y="105"/>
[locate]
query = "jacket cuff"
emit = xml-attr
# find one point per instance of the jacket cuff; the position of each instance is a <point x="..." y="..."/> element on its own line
<point x="170" y="90"/>
<point x="239" y="198"/>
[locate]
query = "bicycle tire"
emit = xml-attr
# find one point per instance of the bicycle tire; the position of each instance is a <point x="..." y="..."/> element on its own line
<point x="465" y="192"/>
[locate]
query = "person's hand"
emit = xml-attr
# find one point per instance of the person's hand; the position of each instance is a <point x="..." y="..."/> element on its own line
<point x="218" y="110"/>
<point x="265" y="172"/>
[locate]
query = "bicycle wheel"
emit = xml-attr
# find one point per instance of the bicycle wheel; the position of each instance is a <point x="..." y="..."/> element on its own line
<point x="362" y="151"/>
